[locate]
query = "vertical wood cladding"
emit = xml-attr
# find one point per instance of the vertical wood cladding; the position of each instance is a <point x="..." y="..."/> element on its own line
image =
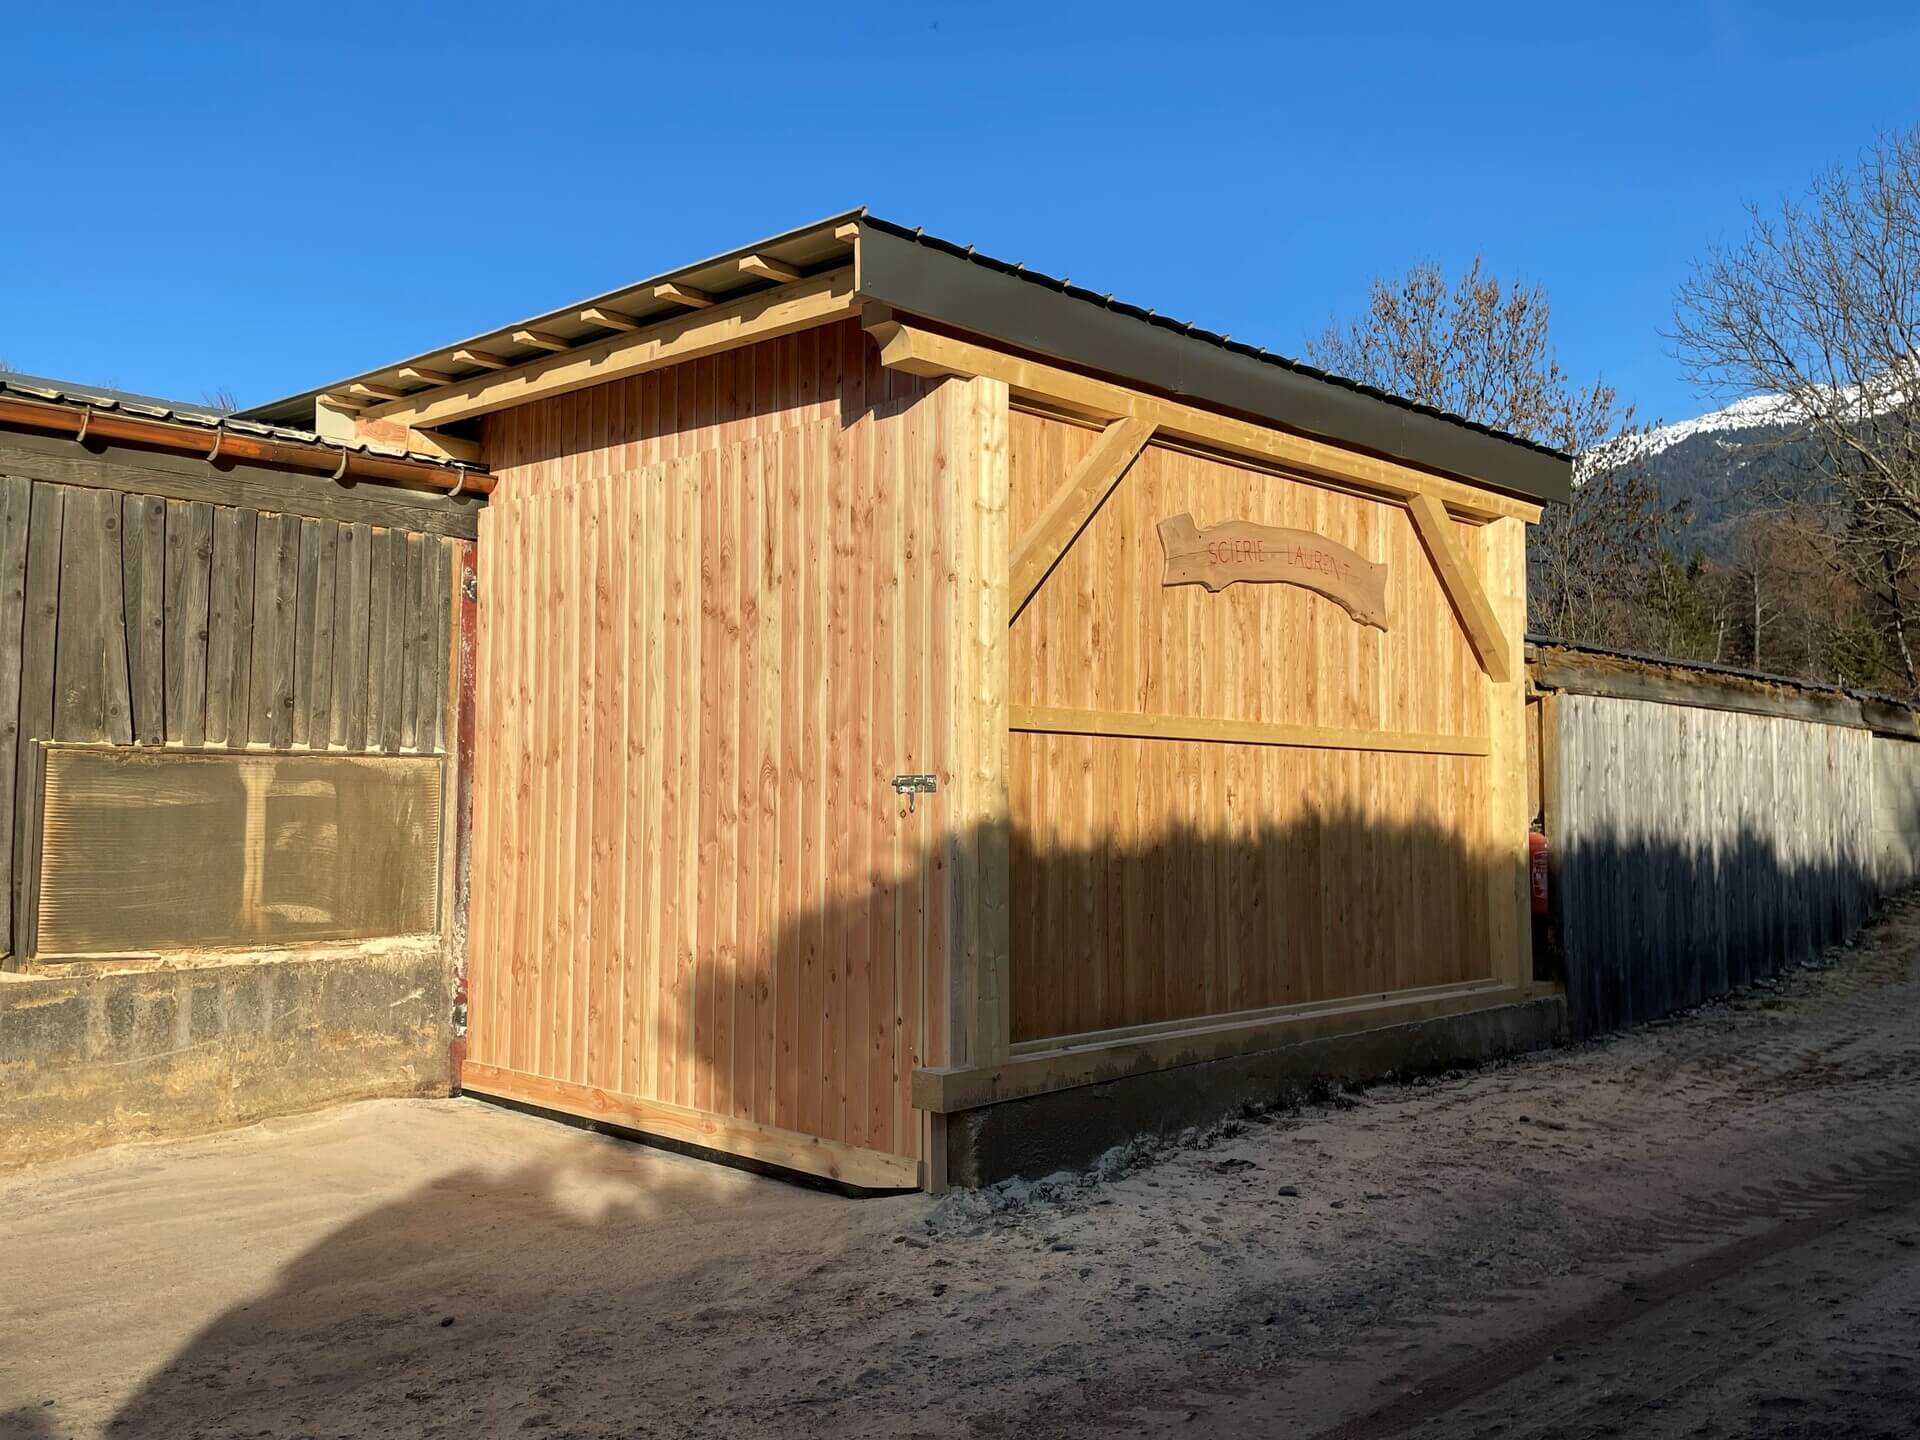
<point x="132" y="619"/>
<point x="1164" y="879"/>
<point x="717" y="619"/>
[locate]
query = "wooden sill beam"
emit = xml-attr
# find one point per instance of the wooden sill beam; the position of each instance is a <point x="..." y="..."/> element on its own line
<point x="1072" y="506"/>
<point x="924" y="352"/>
<point x="763" y="315"/>
<point x="1039" y="1068"/>
<point x="1463" y="587"/>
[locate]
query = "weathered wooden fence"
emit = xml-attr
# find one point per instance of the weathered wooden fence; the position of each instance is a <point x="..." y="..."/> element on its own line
<point x="160" y="619"/>
<point x="1699" y="842"/>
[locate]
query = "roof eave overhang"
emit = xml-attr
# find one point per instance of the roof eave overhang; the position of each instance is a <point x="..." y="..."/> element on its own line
<point x="909" y="276"/>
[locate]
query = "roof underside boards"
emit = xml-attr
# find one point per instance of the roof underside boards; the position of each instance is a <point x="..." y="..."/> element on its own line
<point x="958" y="288"/>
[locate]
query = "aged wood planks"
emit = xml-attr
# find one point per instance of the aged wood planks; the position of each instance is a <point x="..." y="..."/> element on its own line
<point x="1699" y="849"/>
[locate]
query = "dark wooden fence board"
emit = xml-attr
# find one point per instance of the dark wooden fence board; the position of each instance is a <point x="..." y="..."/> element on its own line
<point x="143" y="567"/>
<point x="39" y="627"/>
<point x="16" y="506"/>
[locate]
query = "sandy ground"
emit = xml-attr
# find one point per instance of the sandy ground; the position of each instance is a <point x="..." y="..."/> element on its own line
<point x="1707" y="1227"/>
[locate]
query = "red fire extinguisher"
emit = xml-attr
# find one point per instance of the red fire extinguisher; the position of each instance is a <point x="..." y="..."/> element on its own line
<point x="1537" y="870"/>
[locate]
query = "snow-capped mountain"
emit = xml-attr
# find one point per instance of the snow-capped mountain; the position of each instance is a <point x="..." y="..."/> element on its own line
<point x="1707" y="462"/>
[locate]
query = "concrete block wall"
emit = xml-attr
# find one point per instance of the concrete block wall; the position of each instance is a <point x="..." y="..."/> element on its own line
<point x="94" y="1054"/>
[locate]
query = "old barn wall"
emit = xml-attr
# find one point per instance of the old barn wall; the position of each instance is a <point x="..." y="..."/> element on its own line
<point x="1697" y="849"/>
<point x="172" y="609"/>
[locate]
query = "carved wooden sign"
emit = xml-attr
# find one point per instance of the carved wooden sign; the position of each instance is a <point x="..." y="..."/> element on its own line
<point x="1238" y="550"/>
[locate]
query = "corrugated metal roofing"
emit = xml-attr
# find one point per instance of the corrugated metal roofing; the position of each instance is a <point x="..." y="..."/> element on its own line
<point x="95" y="397"/>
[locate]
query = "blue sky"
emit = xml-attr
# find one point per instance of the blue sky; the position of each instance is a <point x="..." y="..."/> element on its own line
<point x="266" y="198"/>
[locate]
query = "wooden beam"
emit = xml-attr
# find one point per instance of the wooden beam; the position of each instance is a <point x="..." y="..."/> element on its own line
<point x="420" y="375"/>
<point x="540" y="340"/>
<point x="763" y="315"/>
<point x="688" y="295"/>
<point x="608" y="319"/>
<point x="444" y="447"/>
<point x="923" y="352"/>
<point x="370" y="391"/>
<point x="979" y="821"/>
<point x="336" y="401"/>
<point x="765" y="269"/>
<point x="1463" y="588"/>
<point x="1072" y="506"/>
<point x="848" y="232"/>
<point x="1071" y="1061"/>
<point x="482" y="359"/>
<point x="832" y="1159"/>
<point x="1045" y="720"/>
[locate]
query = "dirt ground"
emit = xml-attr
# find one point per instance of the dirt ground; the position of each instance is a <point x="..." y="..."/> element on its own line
<point x="1708" y="1227"/>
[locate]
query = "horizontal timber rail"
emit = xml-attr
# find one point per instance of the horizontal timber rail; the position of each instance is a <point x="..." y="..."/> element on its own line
<point x="1041" y="1066"/>
<point x="1043" y="720"/>
<point x="210" y="442"/>
<point x="924" y="352"/>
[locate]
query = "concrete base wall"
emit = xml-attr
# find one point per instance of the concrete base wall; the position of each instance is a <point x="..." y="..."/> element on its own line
<point x="1070" y="1129"/>
<point x="92" y="1055"/>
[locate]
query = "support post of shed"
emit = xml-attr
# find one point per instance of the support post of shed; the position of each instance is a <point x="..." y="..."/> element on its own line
<point x="980" y="1020"/>
<point x="1503" y="565"/>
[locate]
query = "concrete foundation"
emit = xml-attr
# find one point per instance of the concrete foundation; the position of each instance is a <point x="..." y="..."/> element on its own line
<point x="94" y="1054"/>
<point x="1070" y="1129"/>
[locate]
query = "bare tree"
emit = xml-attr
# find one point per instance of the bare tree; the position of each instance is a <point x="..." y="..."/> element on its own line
<point x="1481" y="349"/>
<point x="221" y="401"/>
<point x="1820" y="305"/>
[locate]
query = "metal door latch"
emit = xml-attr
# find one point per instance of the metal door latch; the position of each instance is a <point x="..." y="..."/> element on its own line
<point x="912" y="785"/>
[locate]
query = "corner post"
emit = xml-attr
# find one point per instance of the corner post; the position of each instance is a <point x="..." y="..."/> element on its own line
<point x="1503" y="553"/>
<point x="979" y="959"/>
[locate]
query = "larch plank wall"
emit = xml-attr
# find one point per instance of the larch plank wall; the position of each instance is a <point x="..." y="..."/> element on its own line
<point x="1698" y="849"/>
<point x="718" y="612"/>
<point x="129" y="618"/>
<point x="1161" y="879"/>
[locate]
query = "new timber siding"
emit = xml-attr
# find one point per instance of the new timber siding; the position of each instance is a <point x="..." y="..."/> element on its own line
<point x="1227" y="802"/>
<point x="719" y="614"/>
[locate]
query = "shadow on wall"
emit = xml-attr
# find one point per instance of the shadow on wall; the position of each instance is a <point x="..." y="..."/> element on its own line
<point x="1648" y="926"/>
<point x="814" y="1029"/>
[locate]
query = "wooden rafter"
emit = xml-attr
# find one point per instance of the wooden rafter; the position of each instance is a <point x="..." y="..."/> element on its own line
<point x="367" y="390"/>
<point x="481" y="359"/>
<point x="763" y="315"/>
<point x="420" y="375"/>
<point x="608" y="319"/>
<point x="1468" y="596"/>
<point x="923" y="352"/>
<point x="540" y="340"/>
<point x="768" y="269"/>
<point x="688" y="295"/>
<point x="1072" y="506"/>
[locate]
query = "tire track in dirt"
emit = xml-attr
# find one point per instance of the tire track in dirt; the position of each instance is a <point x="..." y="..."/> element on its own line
<point x="1805" y="1211"/>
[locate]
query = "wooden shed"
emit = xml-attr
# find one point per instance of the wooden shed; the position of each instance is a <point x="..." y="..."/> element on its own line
<point x="907" y="683"/>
